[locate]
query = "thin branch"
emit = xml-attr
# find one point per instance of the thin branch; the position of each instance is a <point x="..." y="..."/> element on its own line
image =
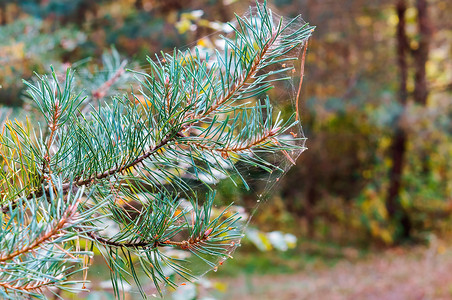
<point x="30" y="286"/>
<point x="122" y="168"/>
<point x="185" y="244"/>
<point x="240" y="147"/>
<point x="60" y="225"/>
<point x="109" y="242"/>
<point x="53" y="125"/>
<point x="100" y="92"/>
<point x="252" y="71"/>
<point x="96" y="177"/>
<point x="297" y="100"/>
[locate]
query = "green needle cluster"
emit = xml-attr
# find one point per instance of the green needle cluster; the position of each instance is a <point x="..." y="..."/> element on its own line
<point x="132" y="176"/>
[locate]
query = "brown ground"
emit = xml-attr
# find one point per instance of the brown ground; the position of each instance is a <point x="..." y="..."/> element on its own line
<point x="397" y="274"/>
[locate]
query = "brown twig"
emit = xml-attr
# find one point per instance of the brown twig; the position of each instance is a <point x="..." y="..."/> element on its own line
<point x="239" y="147"/>
<point x="101" y="91"/>
<point x="120" y="169"/>
<point x="68" y="215"/>
<point x="53" y="124"/>
<point x="96" y="177"/>
<point x="297" y="100"/>
<point x="30" y="286"/>
<point x="253" y="70"/>
<point x="58" y="226"/>
<point x="236" y="87"/>
<point x="185" y="244"/>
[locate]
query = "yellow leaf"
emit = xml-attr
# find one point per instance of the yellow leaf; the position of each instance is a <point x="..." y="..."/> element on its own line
<point x="183" y="26"/>
<point x="220" y="286"/>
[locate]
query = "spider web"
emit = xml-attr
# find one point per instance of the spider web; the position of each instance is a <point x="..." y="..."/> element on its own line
<point x="284" y="97"/>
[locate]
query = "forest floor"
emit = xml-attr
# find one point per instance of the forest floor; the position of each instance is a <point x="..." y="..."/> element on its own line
<point x="398" y="273"/>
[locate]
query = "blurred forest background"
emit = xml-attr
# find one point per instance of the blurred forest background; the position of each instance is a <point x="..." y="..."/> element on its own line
<point x="377" y="108"/>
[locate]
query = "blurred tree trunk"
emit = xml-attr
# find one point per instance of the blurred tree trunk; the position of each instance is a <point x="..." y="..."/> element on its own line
<point x="420" y="56"/>
<point x="310" y="201"/>
<point x="224" y="12"/>
<point x="421" y="53"/>
<point x="139" y="4"/>
<point x="398" y="148"/>
<point x="3" y="13"/>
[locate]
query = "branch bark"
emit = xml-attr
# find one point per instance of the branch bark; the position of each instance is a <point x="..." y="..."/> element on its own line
<point x="185" y="244"/>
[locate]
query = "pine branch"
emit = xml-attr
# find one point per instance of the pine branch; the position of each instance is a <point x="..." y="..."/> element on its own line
<point x="253" y="69"/>
<point x="123" y="168"/>
<point x="54" y="230"/>
<point x="35" y="286"/>
<point x="34" y="240"/>
<point x="91" y="180"/>
<point x="196" y="117"/>
<point x="184" y="245"/>
<point x="237" y="148"/>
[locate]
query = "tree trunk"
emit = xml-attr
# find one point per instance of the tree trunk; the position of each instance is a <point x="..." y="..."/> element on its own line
<point x="139" y="4"/>
<point x="420" y="56"/>
<point x="421" y="53"/>
<point x="3" y="13"/>
<point x="398" y="148"/>
<point x="311" y="199"/>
